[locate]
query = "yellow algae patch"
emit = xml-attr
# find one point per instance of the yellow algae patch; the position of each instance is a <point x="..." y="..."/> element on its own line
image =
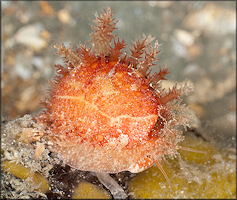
<point x="86" y="190"/>
<point x="40" y="181"/>
<point x="193" y="175"/>
<point x="198" y="144"/>
<point x="23" y="172"/>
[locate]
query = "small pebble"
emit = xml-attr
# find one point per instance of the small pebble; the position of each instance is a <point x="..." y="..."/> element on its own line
<point x="212" y="19"/>
<point x="29" y="36"/>
<point x="64" y="16"/>
<point x="184" y="37"/>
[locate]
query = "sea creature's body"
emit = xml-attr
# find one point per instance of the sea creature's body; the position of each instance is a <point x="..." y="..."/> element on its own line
<point x="106" y="112"/>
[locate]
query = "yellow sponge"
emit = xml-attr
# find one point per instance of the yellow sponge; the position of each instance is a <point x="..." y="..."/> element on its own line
<point x="23" y="172"/>
<point x="193" y="175"/>
<point x="86" y="190"/>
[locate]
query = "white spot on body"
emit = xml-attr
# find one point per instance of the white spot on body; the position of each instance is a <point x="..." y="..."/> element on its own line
<point x="111" y="72"/>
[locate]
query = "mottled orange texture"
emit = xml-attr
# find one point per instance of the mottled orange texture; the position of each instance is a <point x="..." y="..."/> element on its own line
<point x="106" y="112"/>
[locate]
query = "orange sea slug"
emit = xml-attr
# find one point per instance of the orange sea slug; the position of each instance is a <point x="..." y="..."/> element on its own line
<point x="106" y="112"/>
